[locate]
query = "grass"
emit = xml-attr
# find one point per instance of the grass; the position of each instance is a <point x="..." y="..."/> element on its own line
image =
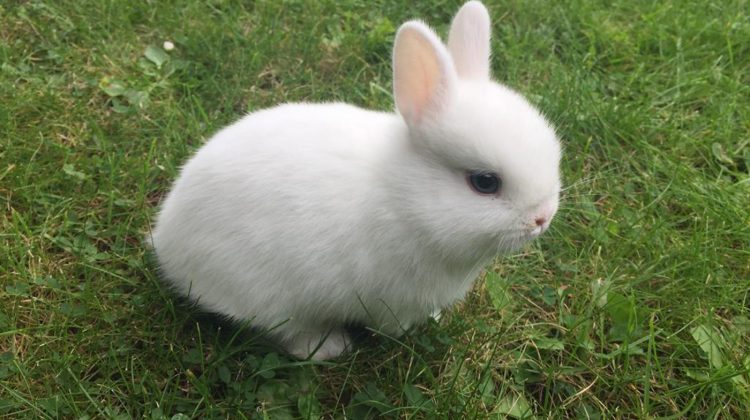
<point x="635" y="305"/>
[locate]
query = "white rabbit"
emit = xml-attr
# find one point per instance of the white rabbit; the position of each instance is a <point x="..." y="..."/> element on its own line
<point x="305" y="218"/>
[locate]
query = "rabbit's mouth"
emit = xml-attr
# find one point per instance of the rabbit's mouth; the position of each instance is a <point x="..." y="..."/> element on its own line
<point x="537" y="230"/>
<point x="528" y="233"/>
<point x="518" y="238"/>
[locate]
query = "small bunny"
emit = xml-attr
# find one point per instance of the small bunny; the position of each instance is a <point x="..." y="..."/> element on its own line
<point x="306" y="218"/>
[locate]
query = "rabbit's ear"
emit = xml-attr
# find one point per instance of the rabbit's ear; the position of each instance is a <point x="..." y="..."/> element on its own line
<point x="424" y="77"/>
<point x="469" y="41"/>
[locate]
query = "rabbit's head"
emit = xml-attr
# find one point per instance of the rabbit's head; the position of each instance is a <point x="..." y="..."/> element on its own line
<point x="486" y="177"/>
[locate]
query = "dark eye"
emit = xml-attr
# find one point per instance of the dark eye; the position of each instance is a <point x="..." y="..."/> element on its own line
<point x="484" y="182"/>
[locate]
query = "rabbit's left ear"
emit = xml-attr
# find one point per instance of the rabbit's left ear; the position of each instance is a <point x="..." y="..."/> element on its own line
<point x="469" y="41"/>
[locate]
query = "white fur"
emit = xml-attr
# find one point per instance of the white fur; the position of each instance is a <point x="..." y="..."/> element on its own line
<point x="469" y="41"/>
<point x="304" y="218"/>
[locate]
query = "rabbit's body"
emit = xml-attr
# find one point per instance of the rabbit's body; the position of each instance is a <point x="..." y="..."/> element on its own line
<point x="305" y="218"/>
<point x="359" y="236"/>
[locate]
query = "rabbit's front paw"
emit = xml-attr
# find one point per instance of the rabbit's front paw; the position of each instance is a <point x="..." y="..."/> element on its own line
<point x="319" y="346"/>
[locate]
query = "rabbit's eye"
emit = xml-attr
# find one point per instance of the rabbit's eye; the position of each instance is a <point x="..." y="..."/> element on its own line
<point x="484" y="182"/>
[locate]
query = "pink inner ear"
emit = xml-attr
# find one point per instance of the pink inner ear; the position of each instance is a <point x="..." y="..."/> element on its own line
<point x="428" y="88"/>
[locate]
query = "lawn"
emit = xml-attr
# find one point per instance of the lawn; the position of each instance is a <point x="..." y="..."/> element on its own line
<point x="636" y="304"/>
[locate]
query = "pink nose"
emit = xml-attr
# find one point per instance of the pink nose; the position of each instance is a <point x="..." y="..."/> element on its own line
<point x="540" y="221"/>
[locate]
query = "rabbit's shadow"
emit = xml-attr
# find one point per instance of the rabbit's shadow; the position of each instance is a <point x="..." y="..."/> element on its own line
<point x="232" y="336"/>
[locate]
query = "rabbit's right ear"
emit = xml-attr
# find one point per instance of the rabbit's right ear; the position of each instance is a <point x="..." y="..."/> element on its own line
<point x="424" y="76"/>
